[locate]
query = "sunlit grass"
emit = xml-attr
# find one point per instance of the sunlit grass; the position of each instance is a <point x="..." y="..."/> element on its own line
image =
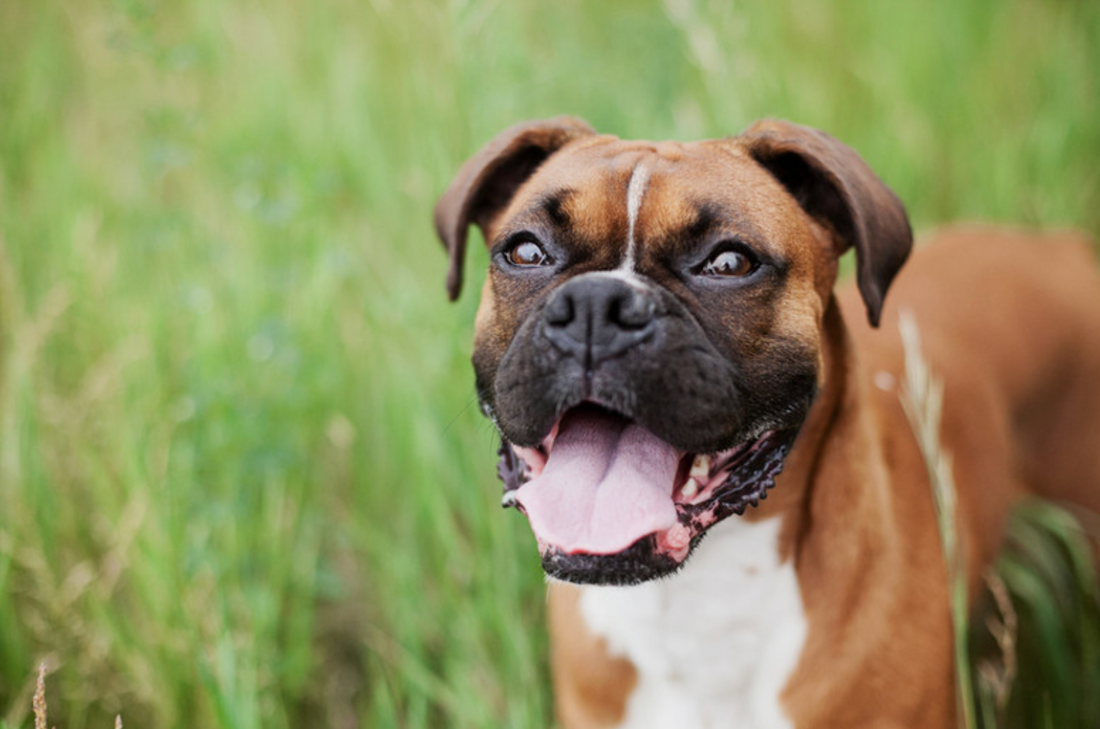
<point x="243" y="482"/>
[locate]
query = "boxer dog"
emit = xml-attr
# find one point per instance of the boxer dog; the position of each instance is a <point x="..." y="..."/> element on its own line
<point x="660" y="347"/>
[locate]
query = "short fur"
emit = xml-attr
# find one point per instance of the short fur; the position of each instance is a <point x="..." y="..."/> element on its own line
<point x="1009" y="320"/>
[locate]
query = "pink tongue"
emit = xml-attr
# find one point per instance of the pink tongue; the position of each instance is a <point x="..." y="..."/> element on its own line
<point x="606" y="485"/>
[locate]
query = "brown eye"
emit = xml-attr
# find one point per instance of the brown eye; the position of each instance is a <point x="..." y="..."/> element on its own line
<point x="729" y="263"/>
<point x="527" y="253"/>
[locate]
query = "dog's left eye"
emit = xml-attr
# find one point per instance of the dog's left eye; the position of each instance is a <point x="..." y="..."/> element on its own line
<point x="729" y="263"/>
<point x="527" y="253"/>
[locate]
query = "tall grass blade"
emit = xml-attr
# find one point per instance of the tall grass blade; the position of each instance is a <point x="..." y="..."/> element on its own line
<point x="922" y="399"/>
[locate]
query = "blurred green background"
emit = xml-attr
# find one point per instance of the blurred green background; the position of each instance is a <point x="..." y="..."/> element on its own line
<point x="243" y="480"/>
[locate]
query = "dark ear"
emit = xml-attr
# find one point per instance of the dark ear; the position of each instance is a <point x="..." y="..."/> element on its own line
<point x="835" y="186"/>
<point x="486" y="183"/>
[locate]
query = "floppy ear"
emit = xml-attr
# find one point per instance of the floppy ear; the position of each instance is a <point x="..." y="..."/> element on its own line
<point x="836" y="187"/>
<point x="486" y="183"/>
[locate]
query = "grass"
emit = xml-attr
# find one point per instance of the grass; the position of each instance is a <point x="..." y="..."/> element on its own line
<point x="242" y="479"/>
<point x="1048" y="569"/>
<point x="922" y="400"/>
<point x="38" y="703"/>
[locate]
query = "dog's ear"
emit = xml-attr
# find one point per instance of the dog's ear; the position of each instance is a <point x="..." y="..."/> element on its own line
<point x="835" y="186"/>
<point x="486" y="183"/>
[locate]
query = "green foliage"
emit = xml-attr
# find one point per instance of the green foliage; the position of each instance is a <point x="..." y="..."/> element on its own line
<point x="1048" y="571"/>
<point x="243" y="480"/>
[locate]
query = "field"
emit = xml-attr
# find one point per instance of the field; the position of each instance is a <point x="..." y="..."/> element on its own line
<point x="243" y="479"/>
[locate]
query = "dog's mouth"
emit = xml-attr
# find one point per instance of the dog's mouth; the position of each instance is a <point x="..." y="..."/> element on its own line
<point x="611" y="503"/>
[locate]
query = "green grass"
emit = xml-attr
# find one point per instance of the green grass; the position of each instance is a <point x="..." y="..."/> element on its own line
<point x="243" y="482"/>
<point x="1048" y="570"/>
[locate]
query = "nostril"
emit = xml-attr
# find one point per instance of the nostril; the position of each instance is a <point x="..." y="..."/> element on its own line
<point x="560" y="311"/>
<point x="631" y="311"/>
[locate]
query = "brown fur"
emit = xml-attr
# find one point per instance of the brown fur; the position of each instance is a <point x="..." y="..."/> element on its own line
<point x="1010" y="321"/>
<point x="590" y="686"/>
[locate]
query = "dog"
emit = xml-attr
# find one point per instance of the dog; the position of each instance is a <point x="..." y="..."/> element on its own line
<point x="661" y="348"/>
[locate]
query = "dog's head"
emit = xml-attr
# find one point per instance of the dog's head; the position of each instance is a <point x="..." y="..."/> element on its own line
<point x="648" y="341"/>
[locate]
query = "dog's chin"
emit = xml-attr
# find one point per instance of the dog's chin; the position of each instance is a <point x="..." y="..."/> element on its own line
<point x="641" y="562"/>
<point x="611" y="504"/>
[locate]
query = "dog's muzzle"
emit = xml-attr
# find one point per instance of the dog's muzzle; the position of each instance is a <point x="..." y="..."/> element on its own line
<point x="630" y="436"/>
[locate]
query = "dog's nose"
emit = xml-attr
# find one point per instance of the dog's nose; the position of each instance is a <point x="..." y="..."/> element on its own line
<point x="595" y="317"/>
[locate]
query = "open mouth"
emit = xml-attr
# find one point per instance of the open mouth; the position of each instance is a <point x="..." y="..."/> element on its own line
<point x="610" y="502"/>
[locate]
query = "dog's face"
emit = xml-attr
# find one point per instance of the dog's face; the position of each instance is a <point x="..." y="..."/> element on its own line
<point x="648" y="341"/>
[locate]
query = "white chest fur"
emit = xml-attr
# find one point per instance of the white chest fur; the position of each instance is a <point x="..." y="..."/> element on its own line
<point x="714" y="644"/>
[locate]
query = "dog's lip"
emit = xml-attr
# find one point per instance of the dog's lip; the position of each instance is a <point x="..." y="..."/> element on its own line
<point x="708" y="471"/>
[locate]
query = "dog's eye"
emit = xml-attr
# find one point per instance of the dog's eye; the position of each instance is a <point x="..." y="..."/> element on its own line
<point x="729" y="263"/>
<point x="527" y="253"/>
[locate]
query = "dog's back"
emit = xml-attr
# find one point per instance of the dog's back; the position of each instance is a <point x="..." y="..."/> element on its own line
<point x="1010" y="322"/>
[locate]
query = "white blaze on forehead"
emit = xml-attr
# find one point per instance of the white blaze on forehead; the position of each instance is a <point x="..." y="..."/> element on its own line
<point x="635" y="190"/>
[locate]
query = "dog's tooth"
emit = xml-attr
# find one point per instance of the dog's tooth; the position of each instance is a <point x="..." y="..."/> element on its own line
<point x="509" y="499"/>
<point x="690" y="488"/>
<point x="700" y="467"/>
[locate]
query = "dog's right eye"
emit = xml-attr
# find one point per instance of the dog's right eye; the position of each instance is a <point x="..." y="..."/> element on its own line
<point x="731" y="259"/>
<point x="527" y="253"/>
<point x="729" y="263"/>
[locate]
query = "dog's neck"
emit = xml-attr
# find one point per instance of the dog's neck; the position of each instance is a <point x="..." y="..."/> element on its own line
<point x="841" y="534"/>
<point x="827" y="525"/>
<point x="793" y="496"/>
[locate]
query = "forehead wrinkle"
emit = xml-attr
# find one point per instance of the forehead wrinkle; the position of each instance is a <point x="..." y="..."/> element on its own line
<point x="687" y="220"/>
<point x="595" y="211"/>
<point x="554" y="206"/>
<point x="706" y="217"/>
<point x="542" y="211"/>
<point x="717" y="217"/>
